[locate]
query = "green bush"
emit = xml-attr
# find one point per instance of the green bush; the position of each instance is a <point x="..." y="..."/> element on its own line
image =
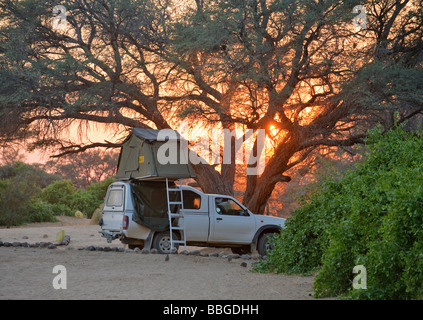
<point x="40" y="211"/>
<point x="60" y="192"/>
<point x="373" y="217"/>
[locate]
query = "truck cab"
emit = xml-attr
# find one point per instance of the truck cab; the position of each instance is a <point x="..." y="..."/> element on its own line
<point x="209" y="220"/>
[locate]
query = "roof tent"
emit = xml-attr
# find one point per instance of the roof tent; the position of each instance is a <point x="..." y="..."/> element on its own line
<point x="148" y="154"/>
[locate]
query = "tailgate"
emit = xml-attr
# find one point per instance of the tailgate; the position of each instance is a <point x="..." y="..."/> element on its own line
<point x="114" y="206"/>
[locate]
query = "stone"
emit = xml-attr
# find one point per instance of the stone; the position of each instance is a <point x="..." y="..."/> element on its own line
<point x="194" y="253"/>
<point x="145" y="251"/>
<point x="234" y="256"/>
<point x="52" y="246"/>
<point x="90" y="248"/>
<point x="244" y="264"/>
<point x="213" y="254"/>
<point x="245" y="256"/>
<point x="154" y="251"/>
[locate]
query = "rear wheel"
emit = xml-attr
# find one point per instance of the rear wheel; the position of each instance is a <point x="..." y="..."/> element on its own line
<point x="162" y="243"/>
<point x="265" y="244"/>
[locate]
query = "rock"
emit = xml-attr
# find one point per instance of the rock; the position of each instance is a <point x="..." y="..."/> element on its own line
<point x="129" y="251"/>
<point x="16" y="244"/>
<point x="213" y="254"/>
<point x="244" y="264"/>
<point x="145" y="251"/>
<point x="204" y="254"/>
<point x="1" y="243"/>
<point x="137" y="249"/>
<point x="45" y="236"/>
<point x="234" y="256"/>
<point x="107" y="249"/>
<point x="173" y="251"/>
<point x="194" y="253"/>
<point x="65" y="241"/>
<point x="154" y="251"/>
<point x="255" y="256"/>
<point x="246" y="256"/>
<point x="121" y="250"/>
<point x="7" y="244"/>
<point x="44" y="244"/>
<point x="90" y="248"/>
<point x="26" y="245"/>
<point x="99" y="249"/>
<point x="222" y="253"/>
<point x="185" y="252"/>
<point x="52" y="246"/>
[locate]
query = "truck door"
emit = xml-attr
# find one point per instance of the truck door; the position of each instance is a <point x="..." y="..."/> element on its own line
<point x="196" y="216"/>
<point x="229" y="222"/>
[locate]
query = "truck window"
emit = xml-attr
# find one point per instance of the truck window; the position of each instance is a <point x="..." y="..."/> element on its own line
<point x="227" y="206"/>
<point x="115" y="198"/>
<point x="192" y="200"/>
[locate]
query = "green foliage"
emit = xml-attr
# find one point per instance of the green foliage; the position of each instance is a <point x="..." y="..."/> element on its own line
<point x="20" y="185"/>
<point x="60" y="192"/>
<point x="63" y="195"/>
<point x="373" y="216"/>
<point x="28" y="194"/>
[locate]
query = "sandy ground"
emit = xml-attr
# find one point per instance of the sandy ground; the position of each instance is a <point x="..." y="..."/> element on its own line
<point x="27" y="273"/>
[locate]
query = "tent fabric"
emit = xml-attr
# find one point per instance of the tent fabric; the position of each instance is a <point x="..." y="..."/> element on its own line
<point x="138" y="158"/>
<point x="150" y="209"/>
<point x="150" y="135"/>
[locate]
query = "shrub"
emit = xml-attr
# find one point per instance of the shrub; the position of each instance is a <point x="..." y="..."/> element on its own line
<point x="40" y="211"/>
<point x="373" y="216"/>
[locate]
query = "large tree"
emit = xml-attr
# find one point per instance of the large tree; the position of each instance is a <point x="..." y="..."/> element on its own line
<point x="297" y="68"/>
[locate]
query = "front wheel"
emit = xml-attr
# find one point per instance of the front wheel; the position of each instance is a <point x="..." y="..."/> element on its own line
<point x="265" y="244"/>
<point x="162" y="243"/>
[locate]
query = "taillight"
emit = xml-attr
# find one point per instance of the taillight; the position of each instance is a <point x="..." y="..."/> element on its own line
<point x="125" y="222"/>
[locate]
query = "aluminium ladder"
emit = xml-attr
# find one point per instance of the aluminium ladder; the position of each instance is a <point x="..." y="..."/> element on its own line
<point x="179" y="205"/>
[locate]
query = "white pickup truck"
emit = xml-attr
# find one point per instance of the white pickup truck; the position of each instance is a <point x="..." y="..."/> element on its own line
<point x="211" y="220"/>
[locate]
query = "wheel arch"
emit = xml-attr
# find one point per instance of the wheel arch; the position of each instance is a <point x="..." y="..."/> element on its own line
<point x="265" y="229"/>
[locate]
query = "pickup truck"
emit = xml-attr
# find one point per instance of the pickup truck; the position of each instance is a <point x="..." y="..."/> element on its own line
<point x="211" y="220"/>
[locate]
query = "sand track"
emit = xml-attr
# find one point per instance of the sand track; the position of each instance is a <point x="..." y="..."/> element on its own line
<point x="27" y="273"/>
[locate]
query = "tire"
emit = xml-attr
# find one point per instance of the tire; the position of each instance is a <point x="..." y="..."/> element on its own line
<point x="241" y="250"/>
<point x="264" y="245"/>
<point x="161" y="242"/>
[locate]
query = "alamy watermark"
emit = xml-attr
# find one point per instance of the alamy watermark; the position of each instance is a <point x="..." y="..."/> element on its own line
<point x="60" y="281"/>
<point x="218" y="146"/>
<point x="59" y="21"/>
<point x="360" y="280"/>
<point x="360" y="20"/>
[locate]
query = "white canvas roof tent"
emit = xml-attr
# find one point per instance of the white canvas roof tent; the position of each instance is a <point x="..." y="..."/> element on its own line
<point x="138" y="158"/>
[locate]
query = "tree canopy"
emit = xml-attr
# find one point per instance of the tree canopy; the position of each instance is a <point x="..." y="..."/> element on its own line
<point x="297" y="69"/>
